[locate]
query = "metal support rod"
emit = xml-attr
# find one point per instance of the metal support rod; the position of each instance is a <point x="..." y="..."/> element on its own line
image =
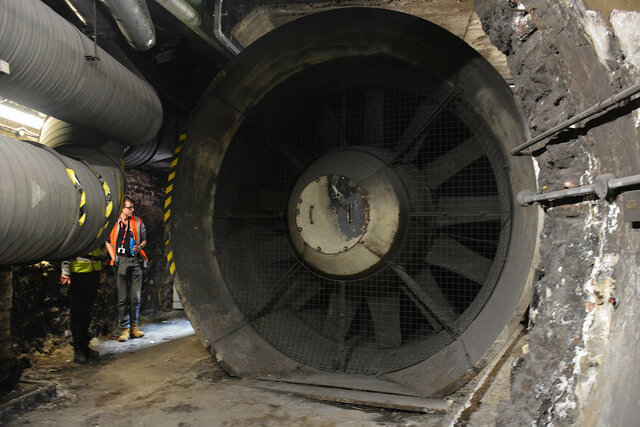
<point x="217" y="30"/>
<point x="601" y="106"/>
<point x="602" y="187"/>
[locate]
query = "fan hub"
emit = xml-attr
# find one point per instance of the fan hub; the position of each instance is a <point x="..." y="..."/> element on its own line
<point x="346" y="214"/>
<point x="332" y="214"/>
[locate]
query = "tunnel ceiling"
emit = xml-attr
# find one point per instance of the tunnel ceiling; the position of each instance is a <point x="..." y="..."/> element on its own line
<point x="181" y="64"/>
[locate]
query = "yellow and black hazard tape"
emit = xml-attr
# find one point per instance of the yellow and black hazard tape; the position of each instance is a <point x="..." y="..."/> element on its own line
<point x="108" y="198"/>
<point x="82" y="215"/>
<point x="167" y="201"/>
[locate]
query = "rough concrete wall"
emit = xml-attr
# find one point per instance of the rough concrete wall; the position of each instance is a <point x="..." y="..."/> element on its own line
<point x="563" y="61"/>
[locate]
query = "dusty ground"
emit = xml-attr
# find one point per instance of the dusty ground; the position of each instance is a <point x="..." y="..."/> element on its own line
<point x="159" y="381"/>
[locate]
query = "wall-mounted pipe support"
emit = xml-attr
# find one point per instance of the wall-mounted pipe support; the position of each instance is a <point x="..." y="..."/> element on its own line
<point x="134" y="22"/>
<point x="597" y="108"/>
<point x="603" y="186"/>
<point x="217" y="29"/>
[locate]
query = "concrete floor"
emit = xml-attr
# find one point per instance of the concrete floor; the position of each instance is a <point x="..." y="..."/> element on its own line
<point x="167" y="378"/>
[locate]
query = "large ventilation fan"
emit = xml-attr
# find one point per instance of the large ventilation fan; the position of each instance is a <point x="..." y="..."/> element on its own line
<point x="361" y="217"/>
<point x="345" y="189"/>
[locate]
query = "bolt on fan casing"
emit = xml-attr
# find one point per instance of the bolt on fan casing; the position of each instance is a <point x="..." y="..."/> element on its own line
<point x="343" y="207"/>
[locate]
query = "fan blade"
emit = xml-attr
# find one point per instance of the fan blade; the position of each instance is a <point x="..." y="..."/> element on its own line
<point x="330" y="129"/>
<point x="460" y="210"/>
<point x="273" y="299"/>
<point x="374" y="118"/>
<point x="385" y="314"/>
<point x="287" y="152"/>
<point x="425" y="293"/>
<point x="301" y="293"/>
<point x="340" y="314"/>
<point x="266" y="243"/>
<point x="449" y="164"/>
<point x="455" y="257"/>
<point x="270" y="201"/>
<point x="275" y="249"/>
<point x="420" y="121"/>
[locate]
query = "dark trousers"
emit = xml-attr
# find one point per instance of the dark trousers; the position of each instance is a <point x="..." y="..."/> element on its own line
<point x="129" y="281"/>
<point x="84" y="288"/>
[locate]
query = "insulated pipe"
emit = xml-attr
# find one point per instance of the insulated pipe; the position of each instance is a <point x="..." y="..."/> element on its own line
<point x="134" y="21"/>
<point x="54" y="206"/>
<point x="53" y="70"/>
<point x="136" y="156"/>
<point x="183" y="11"/>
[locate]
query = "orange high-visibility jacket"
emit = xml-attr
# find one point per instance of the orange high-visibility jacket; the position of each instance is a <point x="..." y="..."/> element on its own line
<point x="134" y="230"/>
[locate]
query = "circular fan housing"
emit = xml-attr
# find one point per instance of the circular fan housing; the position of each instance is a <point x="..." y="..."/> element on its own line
<point x="343" y="208"/>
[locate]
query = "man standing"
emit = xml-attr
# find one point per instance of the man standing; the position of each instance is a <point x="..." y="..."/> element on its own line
<point x="125" y="244"/>
<point x="82" y="276"/>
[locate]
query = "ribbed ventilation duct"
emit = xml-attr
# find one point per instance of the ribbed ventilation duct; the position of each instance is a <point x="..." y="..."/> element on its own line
<point x="134" y="21"/>
<point x="53" y="70"/>
<point x="53" y="206"/>
<point x="136" y="156"/>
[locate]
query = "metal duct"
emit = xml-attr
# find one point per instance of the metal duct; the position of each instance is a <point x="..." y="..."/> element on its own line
<point x="136" y="156"/>
<point x="183" y="11"/>
<point x="134" y="21"/>
<point x="54" y="206"/>
<point x="53" y="70"/>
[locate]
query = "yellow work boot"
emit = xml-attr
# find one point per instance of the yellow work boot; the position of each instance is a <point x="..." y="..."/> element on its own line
<point x="135" y="332"/>
<point x="124" y="335"/>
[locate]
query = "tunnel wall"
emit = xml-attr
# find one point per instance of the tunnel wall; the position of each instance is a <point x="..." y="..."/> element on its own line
<point x="581" y="367"/>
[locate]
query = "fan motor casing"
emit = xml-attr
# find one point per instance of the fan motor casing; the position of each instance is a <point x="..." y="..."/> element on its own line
<point x="272" y="60"/>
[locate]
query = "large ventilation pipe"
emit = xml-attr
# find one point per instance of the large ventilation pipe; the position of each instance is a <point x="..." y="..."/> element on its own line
<point x="134" y="22"/>
<point x="347" y="191"/>
<point x="53" y="69"/>
<point x="57" y="204"/>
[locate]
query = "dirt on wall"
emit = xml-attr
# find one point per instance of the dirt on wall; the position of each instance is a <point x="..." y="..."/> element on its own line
<point x="552" y="52"/>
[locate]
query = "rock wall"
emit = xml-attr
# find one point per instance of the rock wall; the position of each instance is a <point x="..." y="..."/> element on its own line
<point x="565" y="59"/>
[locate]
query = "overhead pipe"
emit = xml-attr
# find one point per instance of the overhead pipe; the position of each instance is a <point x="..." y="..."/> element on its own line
<point x="597" y="108"/>
<point x="604" y="186"/>
<point x="187" y="15"/>
<point x="56" y="204"/>
<point x="53" y="70"/>
<point x="183" y="11"/>
<point x="134" y="22"/>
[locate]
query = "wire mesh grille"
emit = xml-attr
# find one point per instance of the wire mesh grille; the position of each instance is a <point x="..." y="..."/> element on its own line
<point x="457" y="225"/>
